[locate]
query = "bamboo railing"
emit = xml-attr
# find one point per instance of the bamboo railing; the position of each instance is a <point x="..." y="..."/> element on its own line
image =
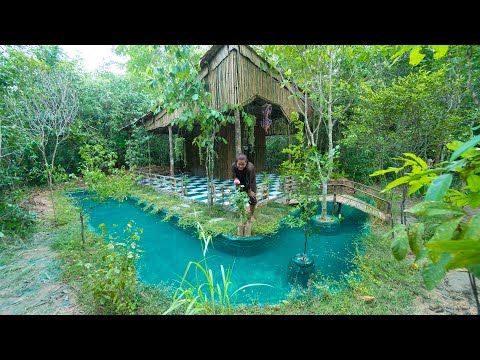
<point x="341" y="191"/>
<point x="166" y="183"/>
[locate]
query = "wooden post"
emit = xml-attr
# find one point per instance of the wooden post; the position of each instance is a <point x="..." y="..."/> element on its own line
<point x="238" y="134"/>
<point x="184" y="185"/>
<point x="288" y="132"/>
<point x="334" y="200"/>
<point x="170" y="140"/>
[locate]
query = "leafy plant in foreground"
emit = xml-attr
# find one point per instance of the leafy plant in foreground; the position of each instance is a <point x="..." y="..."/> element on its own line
<point x="113" y="282"/>
<point x="455" y="242"/>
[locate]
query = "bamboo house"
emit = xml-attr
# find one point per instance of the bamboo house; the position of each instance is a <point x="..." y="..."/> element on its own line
<point x="235" y="75"/>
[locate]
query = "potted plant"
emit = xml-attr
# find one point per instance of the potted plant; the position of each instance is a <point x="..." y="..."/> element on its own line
<point x="240" y="198"/>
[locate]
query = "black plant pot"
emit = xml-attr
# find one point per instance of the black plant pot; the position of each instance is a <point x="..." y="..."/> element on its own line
<point x="300" y="268"/>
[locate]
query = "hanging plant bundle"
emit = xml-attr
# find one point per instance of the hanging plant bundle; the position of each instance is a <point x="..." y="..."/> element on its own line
<point x="266" y="120"/>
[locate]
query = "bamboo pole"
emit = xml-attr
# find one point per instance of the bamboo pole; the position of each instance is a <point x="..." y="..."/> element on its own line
<point x="238" y="133"/>
<point x="170" y="140"/>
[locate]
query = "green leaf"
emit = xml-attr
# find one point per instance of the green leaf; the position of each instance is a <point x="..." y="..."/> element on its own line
<point x="2" y="235"/>
<point x="416" y="56"/>
<point x="433" y="208"/>
<point x="473" y="182"/>
<point x="381" y="172"/>
<point x="464" y="259"/>
<point x="414" y="186"/>
<point x="439" y="188"/>
<point x="472" y="229"/>
<point x="446" y="230"/>
<point x="454" y="145"/>
<point x="399" y="244"/>
<point x="457" y="198"/>
<point x="399" y="181"/>
<point x="432" y="274"/>
<point x="453" y="246"/>
<point x="464" y="147"/>
<point x="420" y="161"/>
<point x="458" y="164"/>
<point x="422" y="254"/>
<point x="415" y="237"/>
<point x="474" y="199"/>
<point x="440" y="51"/>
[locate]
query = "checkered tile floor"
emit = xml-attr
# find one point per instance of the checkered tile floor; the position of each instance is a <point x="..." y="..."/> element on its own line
<point x="197" y="187"/>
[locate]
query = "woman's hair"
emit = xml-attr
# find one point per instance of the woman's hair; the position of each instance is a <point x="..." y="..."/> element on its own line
<point x="241" y="157"/>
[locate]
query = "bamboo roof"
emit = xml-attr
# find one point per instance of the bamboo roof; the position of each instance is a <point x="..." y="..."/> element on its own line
<point x="235" y="75"/>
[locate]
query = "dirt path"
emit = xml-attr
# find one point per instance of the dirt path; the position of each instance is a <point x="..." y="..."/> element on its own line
<point x="30" y="279"/>
<point x="454" y="294"/>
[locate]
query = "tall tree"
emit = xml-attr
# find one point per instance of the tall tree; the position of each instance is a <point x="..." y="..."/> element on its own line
<point x="45" y="113"/>
<point x="320" y="75"/>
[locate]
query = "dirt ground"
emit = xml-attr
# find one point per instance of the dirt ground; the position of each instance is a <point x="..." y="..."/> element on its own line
<point x="30" y="284"/>
<point x="454" y="294"/>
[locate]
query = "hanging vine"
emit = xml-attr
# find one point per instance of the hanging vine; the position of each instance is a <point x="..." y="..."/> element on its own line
<point x="180" y="150"/>
<point x="249" y="130"/>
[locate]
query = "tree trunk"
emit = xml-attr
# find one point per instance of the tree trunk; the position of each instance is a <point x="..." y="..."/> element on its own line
<point x="475" y="99"/>
<point x="149" y="159"/>
<point x="403" y="217"/>
<point x="289" y="141"/>
<point x="330" y="122"/>
<point x="305" y="233"/>
<point x="170" y="141"/>
<point x="238" y="134"/>
<point x="324" y="199"/>
<point x="53" y="202"/>
<point x="438" y="153"/>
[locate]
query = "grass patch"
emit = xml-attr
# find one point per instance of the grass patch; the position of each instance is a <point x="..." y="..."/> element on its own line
<point x="75" y="264"/>
<point x="268" y="216"/>
<point x="392" y="284"/>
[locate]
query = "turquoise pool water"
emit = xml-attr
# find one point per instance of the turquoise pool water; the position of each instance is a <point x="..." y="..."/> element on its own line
<point x="168" y="249"/>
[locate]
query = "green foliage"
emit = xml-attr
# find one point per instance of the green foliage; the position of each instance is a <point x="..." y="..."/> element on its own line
<point x="102" y="180"/>
<point x="455" y="242"/>
<point x="240" y="199"/>
<point x="109" y="102"/>
<point x="112" y="282"/>
<point x="416" y="55"/>
<point x="180" y="150"/>
<point x="310" y="169"/>
<point x="274" y="154"/>
<point x="174" y="76"/>
<point x="416" y="114"/>
<point x="400" y="242"/>
<point x="205" y="295"/>
<point x="145" y="148"/>
<point x="16" y="220"/>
